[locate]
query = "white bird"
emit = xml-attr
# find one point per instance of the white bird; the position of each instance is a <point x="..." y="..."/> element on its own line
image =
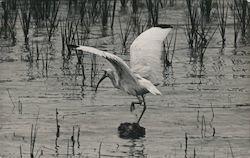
<point x="146" y="65"/>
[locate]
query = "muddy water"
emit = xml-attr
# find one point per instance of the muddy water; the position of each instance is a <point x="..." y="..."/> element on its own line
<point x="209" y="104"/>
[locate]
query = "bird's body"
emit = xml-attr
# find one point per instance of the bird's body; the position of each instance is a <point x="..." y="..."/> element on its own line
<point x="145" y="54"/>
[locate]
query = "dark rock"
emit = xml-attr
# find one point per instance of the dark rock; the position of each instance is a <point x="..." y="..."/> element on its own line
<point x="131" y="131"/>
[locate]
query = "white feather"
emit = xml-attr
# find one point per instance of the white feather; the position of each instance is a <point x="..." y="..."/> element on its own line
<point x="146" y="53"/>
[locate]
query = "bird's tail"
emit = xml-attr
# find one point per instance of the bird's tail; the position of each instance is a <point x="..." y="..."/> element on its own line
<point x="154" y="90"/>
<point x="150" y="87"/>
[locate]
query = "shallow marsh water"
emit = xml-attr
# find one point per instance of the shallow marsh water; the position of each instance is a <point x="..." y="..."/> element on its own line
<point x="210" y="104"/>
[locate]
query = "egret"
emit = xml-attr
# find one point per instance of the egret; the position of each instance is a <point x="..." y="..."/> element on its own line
<point x="145" y="62"/>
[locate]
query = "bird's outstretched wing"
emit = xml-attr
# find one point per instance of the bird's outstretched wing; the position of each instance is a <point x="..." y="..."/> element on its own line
<point x="122" y="69"/>
<point x="146" y="53"/>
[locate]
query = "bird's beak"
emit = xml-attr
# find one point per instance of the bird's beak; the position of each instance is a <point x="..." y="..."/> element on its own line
<point x="103" y="77"/>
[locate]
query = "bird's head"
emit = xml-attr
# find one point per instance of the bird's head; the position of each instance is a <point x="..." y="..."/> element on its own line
<point x="107" y="73"/>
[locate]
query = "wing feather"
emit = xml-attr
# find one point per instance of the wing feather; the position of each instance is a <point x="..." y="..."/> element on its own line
<point x="146" y="53"/>
<point x="122" y="69"/>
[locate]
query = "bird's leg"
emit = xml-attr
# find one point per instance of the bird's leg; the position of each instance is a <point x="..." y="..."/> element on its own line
<point x="144" y="109"/>
<point x="132" y="107"/>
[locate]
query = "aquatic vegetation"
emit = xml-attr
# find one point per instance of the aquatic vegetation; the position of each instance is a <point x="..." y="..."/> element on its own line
<point x="125" y="33"/>
<point x="206" y="9"/>
<point x="241" y="11"/>
<point x="169" y="49"/>
<point x="113" y="14"/>
<point x="33" y="136"/>
<point x="153" y="11"/>
<point x="25" y="18"/>
<point x="124" y="3"/>
<point x="8" y="20"/>
<point x="105" y="9"/>
<point x="52" y="20"/>
<point x="198" y="32"/>
<point x="222" y="10"/>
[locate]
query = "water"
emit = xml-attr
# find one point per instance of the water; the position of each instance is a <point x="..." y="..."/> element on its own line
<point x="208" y="103"/>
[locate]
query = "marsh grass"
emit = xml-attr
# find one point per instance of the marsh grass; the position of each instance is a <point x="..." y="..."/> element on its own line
<point x="99" y="150"/>
<point x="169" y="49"/>
<point x="73" y="33"/>
<point x="25" y="19"/>
<point x="191" y="26"/>
<point x="39" y="11"/>
<point x="153" y="11"/>
<point x="21" y="152"/>
<point x="222" y="10"/>
<point x="139" y="25"/>
<point x="78" y="136"/>
<point x="52" y="19"/>
<point x="105" y="9"/>
<point x="186" y="144"/>
<point x="231" y="149"/>
<point x="113" y="14"/>
<point x="73" y="140"/>
<point x="198" y="32"/>
<point x="206" y="9"/>
<point x="236" y="26"/>
<point x="172" y="3"/>
<point x="73" y="3"/>
<point x="69" y="34"/>
<point x="125" y="33"/>
<point x="33" y="136"/>
<point x="11" y="99"/>
<point x="67" y="154"/>
<point x="94" y="70"/>
<point x="93" y="10"/>
<point x="203" y="127"/>
<point x="134" y="4"/>
<point x="8" y="20"/>
<point x="240" y="6"/>
<point x="37" y="52"/>
<point x="57" y="125"/>
<point x="123" y="3"/>
<point x="57" y="131"/>
<point x="20" y="107"/>
<point x="82" y="10"/>
<point x="80" y="67"/>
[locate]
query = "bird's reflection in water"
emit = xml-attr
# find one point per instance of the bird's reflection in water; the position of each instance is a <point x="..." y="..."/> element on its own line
<point x="136" y="148"/>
